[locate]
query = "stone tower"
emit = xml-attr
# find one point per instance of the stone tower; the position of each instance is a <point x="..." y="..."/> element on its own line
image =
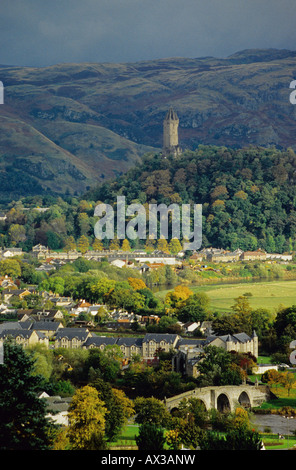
<point x="170" y="134"/>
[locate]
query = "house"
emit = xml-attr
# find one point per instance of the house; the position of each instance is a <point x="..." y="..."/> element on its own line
<point x="197" y="257"/>
<point x="258" y="255"/>
<point x="11" y="292"/>
<point x="46" y="267"/>
<point x="48" y="328"/>
<point x="239" y="342"/>
<point x="100" y="342"/>
<point x="7" y="282"/>
<point x="190" y="327"/>
<point x="152" y="343"/>
<point x="71" y="338"/>
<point x="118" y="263"/>
<point x="279" y="256"/>
<point x="56" y="408"/>
<point x="40" y="251"/>
<point x="80" y="307"/>
<point x="10" y="252"/>
<point x="130" y="346"/>
<point x="189" y="351"/>
<point x="24" y="337"/>
<point x="36" y="314"/>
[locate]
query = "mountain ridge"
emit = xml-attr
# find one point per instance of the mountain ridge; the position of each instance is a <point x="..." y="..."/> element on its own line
<point x="67" y="127"/>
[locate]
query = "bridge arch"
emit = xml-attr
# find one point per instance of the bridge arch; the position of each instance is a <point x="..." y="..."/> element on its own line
<point x="244" y="400"/>
<point x="223" y="403"/>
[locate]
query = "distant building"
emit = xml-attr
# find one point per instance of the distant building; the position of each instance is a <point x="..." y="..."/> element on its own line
<point x="170" y="134"/>
<point x="253" y="255"/>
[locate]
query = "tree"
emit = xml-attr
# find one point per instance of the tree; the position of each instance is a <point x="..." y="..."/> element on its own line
<point x="175" y="246"/>
<point x="97" y="245"/>
<point x="288" y="381"/>
<point x="23" y="422"/>
<point x="86" y="420"/>
<point x="125" y="245"/>
<point x="218" y="368"/>
<point x="236" y="439"/>
<point x="83" y="244"/>
<point x="10" y="267"/>
<point x="194" y="308"/>
<point x="151" y="410"/>
<point x="162" y="245"/>
<point x="120" y="408"/>
<point x="136" y="283"/>
<point x="70" y="244"/>
<point x="177" y="296"/>
<point x="150" y="437"/>
<point x="17" y="233"/>
<point x="83" y="223"/>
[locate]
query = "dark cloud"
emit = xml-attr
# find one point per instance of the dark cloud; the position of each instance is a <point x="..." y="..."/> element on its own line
<point x="36" y="32"/>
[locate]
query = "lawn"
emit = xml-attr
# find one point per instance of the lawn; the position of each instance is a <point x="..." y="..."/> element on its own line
<point x="126" y="440"/>
<point x="268" y="295"/>
<point x="272" y="442"/>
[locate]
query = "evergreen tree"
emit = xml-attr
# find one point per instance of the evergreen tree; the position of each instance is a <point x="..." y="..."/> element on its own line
<point x="23" y="425"/>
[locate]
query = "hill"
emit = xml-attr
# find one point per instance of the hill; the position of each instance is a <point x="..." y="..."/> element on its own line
<point x="68" y="126"/>
<point x="247" y="195"/>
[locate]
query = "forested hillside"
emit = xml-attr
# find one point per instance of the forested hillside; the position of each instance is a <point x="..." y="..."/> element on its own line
<point x="248" y="200"/>
<point x="248" y="195"/>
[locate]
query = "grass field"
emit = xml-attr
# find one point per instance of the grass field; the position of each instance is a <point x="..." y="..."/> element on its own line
<point x="268" y="295"/>
<point x="265" y="294"/>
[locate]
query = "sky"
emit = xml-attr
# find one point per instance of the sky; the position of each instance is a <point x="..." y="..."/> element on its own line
<point x="47" y="32"/>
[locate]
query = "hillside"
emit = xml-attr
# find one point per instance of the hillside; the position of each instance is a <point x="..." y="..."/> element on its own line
<point x="247" y="195"/>
<point x="66" y="127"/>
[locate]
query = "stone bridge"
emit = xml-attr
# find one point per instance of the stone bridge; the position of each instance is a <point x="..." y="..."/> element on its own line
<point x="225" y="398"/>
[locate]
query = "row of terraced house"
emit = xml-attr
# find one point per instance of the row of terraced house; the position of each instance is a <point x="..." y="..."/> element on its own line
<point x="187" y="351"/>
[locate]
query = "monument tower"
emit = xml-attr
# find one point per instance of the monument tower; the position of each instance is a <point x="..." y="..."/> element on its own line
<point x="170" y="134"/>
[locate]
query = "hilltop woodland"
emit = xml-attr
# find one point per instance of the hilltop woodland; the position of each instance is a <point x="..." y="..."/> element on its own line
<point x="247" y="196"/>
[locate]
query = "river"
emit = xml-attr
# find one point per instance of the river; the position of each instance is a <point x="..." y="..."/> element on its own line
<point x="274" y="423"/>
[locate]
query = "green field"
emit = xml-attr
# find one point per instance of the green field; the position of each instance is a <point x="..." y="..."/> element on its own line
<point x="265" y="294"/>
<point x="268" y="295"/>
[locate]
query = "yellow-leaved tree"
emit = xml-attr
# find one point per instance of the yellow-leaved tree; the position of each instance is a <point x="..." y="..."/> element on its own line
<point x="86" y="420"/>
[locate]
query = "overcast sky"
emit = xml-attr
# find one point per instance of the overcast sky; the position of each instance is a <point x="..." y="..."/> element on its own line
<point x="46" y="32"/>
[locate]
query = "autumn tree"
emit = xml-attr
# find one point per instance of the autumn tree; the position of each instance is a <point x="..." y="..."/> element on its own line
<point x="10" y="267"/>
<point x="175" y="246"/>
<point x="125" y="245"/>
<point x="83" y="244"/>
<point x="136" y="283"/>
<point x="175" y="297"/>
<point x="86" y="420"/>
<point x="70" y="244"/>
<point x="97" y="245"/>
<point x="162" y="245"/>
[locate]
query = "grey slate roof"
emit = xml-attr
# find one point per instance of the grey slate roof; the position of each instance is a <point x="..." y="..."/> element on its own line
<point x="100" y="340"/>
<point x="157" y="337"/>
<point x="70" y="333"/>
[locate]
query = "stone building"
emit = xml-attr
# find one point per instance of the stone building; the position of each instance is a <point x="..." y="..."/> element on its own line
<point x="189" y="351"/>
<point x="170" y="134"/>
